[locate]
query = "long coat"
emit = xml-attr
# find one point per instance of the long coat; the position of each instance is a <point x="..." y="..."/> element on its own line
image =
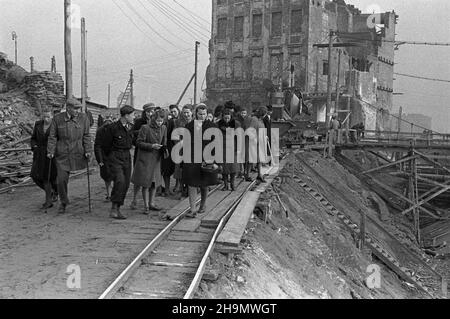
<point x="148" y="163"/>
<point x="167" y="164"/>
<point x="257" y="124"/>
<point x="39" y="169"/>
<point x="69" y="140"/>
<point x="193" y="175"/>
<point x="229" y="167"/>
<point x="178" y="123"/>
<point x="100" y="156"/>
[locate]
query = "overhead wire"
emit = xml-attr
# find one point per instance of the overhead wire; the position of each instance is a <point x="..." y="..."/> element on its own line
<point x="422" y="78"/>
<point x="137" y="26"/>
<point x="128" y="4"/>
<point x="188" y="19"/>
<point x="185" y="27"/>
<point x="193" y="14"/>
<point x="400" y="42"/>
<point x="157" y="21"/>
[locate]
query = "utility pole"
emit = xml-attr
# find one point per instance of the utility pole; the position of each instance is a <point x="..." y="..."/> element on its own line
<point x="197" y="44"/>
<point x="14" y="37"/>
<point x="109" y="96"/>
<point x="83" y="63"/>
<point x="31" y="64"/>
<point x="336" y="106"/>
<point x="329" y="83"/>
<point x="68" y="47"/>
<point x="132" y="88"/>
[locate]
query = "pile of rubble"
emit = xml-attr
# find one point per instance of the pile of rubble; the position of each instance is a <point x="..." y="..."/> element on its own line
<point x="45" y="89"/>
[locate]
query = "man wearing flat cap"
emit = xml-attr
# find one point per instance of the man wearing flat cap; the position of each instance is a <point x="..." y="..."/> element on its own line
<point x="117" y="143"/>
<point x="70" y="145"/>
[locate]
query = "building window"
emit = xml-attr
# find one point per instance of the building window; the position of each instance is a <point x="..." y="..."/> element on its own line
<point x="237" y="69"/>
<point x="276" y="66"/>
<point x="276" y="24"/>
<point x="222" y="28"/>
<point x="325" y="67"/>
<point x="257" y="25"/>
<point x="221" y="68"/>
<point x="239" y="28"/>
<point x="257" y="68"/>
<point x="296" y="21"/>
<point x="221" y="2"/>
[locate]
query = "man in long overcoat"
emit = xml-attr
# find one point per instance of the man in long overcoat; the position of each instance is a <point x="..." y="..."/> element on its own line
<point x="69" y="142"/>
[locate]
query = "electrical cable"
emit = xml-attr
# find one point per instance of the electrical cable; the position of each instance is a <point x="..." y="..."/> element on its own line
<point x="422" y="78"/>
<point x="193" y="14"/>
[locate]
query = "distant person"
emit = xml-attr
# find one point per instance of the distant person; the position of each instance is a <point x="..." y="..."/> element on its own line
<point x="267" y="120"/>
<point x="117" y="143"/>
<point x="69" y="142"/>
<point x="41" y="163"/>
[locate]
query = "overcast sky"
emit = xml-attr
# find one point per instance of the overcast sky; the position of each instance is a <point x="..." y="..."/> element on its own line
<point x="160" y="48"/>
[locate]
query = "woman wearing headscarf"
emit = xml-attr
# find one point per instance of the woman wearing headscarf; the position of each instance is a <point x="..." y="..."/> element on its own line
<point x="167" y="164"/>
<point x="229" y="169"/>
<point x="41" y="164"/>
<point x="152" y="146"/>
<point x="194" y="173"/>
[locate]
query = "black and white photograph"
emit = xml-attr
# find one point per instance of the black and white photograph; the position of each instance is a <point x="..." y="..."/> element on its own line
<point x="225" y="155"/>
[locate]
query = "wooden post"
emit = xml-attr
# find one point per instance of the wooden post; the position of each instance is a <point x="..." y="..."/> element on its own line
<point x="196" y="71"/>
<point x="53" y="66"/>
<point x="329" y="83"/>
<point x="336" y="107"/>
<point x="68" y="47"/>
<point x="83" y="63"/>
<point x="31" y="64"/>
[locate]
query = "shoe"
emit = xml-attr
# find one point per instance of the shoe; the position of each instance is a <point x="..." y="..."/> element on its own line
<point x="261" y="179"/>
<point x="233" y="188"/>
<point x="54" y="198"/>
<point x="248" y="179"/>
<point x="191" y="214"/>
<point x="225" y="187"/>
<point x="133" y="205"/>
<point x="155" y="208"/>
<point x="47" y="205"/>
<point x="202" y="210"/>
<point x="119" y="214"/>
<point x="62" y="209"/>
<point x="146" y="211"/>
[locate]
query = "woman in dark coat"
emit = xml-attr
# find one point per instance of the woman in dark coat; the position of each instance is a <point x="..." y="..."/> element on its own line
<point x="40" y="168"/>
<point x="229" y="169"/>
<point x="193" y="174"/>
<point x="152" y="146"/>
<point x="167" y="164"/>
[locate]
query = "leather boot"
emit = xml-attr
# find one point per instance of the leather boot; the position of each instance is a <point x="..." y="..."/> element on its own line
<point x="232" y="182"/>
<point x="225" y="182"/>
<point x="119" y="213"/>
<point x="203" y="195"/>
<point x="113" y="211"/>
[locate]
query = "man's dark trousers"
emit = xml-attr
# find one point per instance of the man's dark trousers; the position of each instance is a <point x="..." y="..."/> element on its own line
<point x="62" y="180"/>
<point x="120" y="165"/>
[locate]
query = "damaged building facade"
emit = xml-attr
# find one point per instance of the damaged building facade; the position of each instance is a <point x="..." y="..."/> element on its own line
<point x="258" y="46"/>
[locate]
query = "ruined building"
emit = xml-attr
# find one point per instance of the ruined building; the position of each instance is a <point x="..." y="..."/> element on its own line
<point x="256" y="44"/>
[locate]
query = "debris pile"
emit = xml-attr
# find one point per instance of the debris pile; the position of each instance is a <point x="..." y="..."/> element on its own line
<point x="45" y="89"/>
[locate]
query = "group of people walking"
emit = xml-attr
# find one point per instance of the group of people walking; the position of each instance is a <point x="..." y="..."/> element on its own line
<point x="63" y="144"/>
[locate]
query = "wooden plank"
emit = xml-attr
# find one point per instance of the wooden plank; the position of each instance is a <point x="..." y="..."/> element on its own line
<point x="213" y="217"/>
<point x="234" y="229"/>
<point x="188" y="236"/>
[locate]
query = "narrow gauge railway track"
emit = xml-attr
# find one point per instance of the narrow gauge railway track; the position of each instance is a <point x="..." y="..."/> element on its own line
<point x="406" y="270"/>
<point x="173" y="263"/>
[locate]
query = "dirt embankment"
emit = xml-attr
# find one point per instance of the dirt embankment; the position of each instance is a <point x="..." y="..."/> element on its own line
<point x="310" y="254"/>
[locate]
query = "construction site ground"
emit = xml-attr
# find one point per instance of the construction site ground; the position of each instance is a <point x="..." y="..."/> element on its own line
<point x="308" y="255"/>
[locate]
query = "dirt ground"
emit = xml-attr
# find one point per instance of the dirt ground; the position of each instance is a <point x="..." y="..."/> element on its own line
<point x="308" y="255"/>
<point x="36" y="249"/>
